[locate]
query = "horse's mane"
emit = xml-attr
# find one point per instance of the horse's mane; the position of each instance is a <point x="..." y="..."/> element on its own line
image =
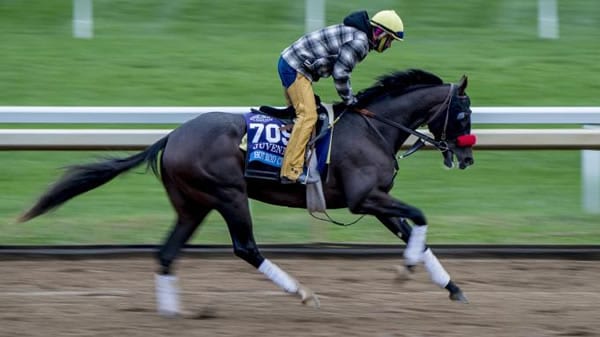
<point x="396" y="83"/>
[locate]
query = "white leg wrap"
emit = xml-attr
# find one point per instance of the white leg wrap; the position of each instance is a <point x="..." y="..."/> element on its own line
<point x="278" y="276"/>
<point x="433" y="266"/>
<point x="167" y="295"/>
<point x="413" y="254"/>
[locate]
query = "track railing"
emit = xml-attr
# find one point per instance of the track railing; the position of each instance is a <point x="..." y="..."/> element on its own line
<point x="583" y="134"/>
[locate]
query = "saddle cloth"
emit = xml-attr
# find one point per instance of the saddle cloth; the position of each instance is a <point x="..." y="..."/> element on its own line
<point x="265" y="143"/>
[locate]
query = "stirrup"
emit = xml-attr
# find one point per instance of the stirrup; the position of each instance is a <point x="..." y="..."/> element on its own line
<point x="307" y="179"/>
<point x="302" y="179"/>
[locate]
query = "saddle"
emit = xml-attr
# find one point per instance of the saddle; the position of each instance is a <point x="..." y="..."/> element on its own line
<point x="288" y="114"/>
<point x="266" y="162"/>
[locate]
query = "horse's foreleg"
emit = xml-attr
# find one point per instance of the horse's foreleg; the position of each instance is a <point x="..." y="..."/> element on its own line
<point x="380" y="204"/>
<point x="414" y="252"/>
<point x="436" y="271"/>
<point x="239" y="223"/>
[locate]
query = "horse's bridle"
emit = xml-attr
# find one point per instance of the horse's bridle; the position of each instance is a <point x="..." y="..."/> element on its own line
<point x="441" y="145"/>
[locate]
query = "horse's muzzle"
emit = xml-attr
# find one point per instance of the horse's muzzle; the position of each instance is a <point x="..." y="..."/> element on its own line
<point x="463" y="156"/>
<point x="466" y="162"/>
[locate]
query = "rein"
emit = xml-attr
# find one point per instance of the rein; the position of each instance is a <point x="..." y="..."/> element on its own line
<point x="441" y="145"/>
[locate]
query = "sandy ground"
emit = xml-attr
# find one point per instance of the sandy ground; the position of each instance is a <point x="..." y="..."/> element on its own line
<point x="359" y="297"/>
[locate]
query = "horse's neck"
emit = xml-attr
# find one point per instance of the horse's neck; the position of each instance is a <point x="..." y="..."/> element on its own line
<point x="411" y="110"/>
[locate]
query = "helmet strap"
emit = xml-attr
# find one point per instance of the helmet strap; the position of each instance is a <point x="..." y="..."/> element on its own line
<point x="383" y="42"/>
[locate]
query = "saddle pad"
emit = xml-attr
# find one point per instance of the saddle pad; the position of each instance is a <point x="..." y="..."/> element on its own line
<point x="266" y="143"/>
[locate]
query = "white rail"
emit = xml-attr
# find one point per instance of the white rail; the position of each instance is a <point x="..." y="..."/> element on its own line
<point x="137" y="139"/>
<point x="587" y="138"/>
<point x="178" y="115"/>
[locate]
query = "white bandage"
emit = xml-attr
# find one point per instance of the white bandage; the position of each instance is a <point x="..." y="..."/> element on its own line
<point x="413" y="254"/>
<point x="167" y="295"/>
<point x="278" y="276"/>
<point x="433" y="266"/>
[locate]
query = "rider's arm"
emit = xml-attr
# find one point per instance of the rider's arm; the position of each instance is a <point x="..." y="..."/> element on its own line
<point x="351" y="53"/>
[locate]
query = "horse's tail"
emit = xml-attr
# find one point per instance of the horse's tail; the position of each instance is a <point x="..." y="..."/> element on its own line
<point x="79" y="179"/>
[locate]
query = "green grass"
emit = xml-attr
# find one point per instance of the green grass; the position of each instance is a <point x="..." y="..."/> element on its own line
<point x="201" y="53"/>
<point x="185" y="52"/>
<point x="502" y="199"/>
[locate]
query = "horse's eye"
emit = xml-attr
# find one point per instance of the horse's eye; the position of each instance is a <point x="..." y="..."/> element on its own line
<point x="460" y="116"/>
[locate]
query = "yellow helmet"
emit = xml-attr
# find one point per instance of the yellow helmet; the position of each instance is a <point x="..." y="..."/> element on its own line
<point x="389" y="21"/>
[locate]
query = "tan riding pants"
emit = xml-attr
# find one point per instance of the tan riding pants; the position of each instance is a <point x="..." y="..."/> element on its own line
<point x="302" y="97"/>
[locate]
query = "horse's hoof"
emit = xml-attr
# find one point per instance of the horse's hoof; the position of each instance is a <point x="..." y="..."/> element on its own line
<point x="171" y="314"/>
<point x="412" y="258"/>
<point x="403" y="274"/>
<point x="459" y="297"/>
<point x="208" y="312"/>
<point x="411" y="268"/>
<point x="308" y="297"/>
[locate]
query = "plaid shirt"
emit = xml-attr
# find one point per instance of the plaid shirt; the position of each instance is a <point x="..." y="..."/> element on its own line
<point x="331" y="51"/>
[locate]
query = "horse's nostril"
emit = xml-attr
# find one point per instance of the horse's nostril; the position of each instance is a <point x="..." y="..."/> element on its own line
<point x="465" y="162"/>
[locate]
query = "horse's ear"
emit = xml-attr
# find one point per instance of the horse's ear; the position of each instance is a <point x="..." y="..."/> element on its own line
<point x="462" y="85"/>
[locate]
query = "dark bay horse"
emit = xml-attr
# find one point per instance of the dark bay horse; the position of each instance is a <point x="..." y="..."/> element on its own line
<point x="202" y="169"/>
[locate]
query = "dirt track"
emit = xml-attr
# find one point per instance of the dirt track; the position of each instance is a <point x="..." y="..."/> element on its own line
<point x="359" y="297"/>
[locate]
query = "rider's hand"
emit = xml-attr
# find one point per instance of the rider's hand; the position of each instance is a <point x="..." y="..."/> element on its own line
<point x="351" y="102"/>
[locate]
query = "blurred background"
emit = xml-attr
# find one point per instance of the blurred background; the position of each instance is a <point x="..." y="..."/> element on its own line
<point x="224" y="53"/>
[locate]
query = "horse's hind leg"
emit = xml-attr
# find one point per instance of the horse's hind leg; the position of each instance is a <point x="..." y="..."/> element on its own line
<point x="436" y="271"/>
<point x="190" y="215"/>
<point x="234" y="209"/>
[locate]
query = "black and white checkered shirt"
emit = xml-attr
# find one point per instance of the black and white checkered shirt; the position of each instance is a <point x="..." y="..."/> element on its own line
<point x="331" y="51"/>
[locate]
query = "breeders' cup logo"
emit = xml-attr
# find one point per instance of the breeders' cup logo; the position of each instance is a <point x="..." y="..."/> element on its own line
<point x="260" y="118"/>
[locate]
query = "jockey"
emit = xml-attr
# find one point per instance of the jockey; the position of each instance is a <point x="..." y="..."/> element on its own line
<point x="330" y="51"/>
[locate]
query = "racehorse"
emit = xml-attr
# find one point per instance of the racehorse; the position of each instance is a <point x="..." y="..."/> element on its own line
<point x="202" y="169"/>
